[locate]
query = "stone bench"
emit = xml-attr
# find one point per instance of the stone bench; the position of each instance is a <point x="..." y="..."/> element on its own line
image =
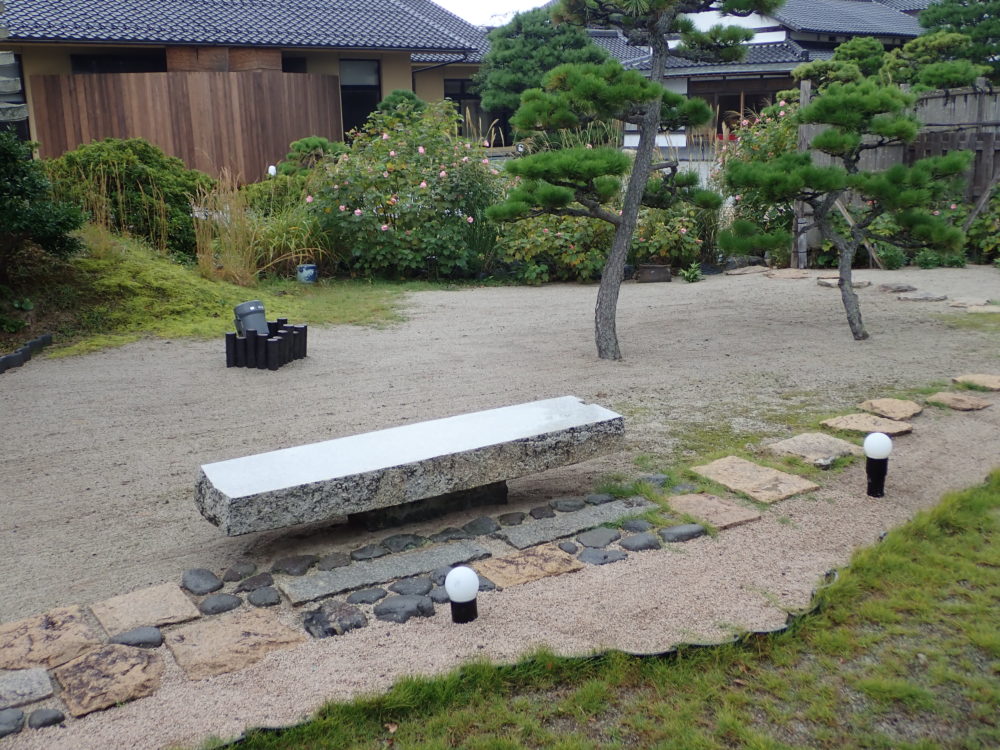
<point x="362" y="473"/>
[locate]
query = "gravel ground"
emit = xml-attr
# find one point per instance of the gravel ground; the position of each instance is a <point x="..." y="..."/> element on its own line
<point x="101" y="453"/>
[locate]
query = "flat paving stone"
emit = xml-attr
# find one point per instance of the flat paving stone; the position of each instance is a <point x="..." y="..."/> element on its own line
<point x="45" y="717"/>
<point x="369" y="552"/>
<point x="568" y="547"/>
<point x="593" y="556"/>
<point x="867" y="423"/>
<point x="788" y="273"/>
<point x="568" y="504"/>
<point x="980" y="380"/>
<point x="253" y="583"/>
<point x="746" y="270"/>
<point x="333" y="618"/>
<point x="159" y="605"/>
<point x="296" y="565"/>
<point x="896" y="288"/>
<point x="439" y="595"/>
<point x="512" y="519"/>
<point x="481" y="526"/>
<point x="657" y="480"/>
<point x="401" y="542"/>
<point x="200" y="581"/>
<point x="640" y="542"/>
<point x="402" y="607"/>
<point x="216" y="604"/>
<point x="892" y="408"/>
<point x="22" y="686"/>
<point x="720" y="513"/>
<point x="334" y="560"/>
<point x="922" y="297"/>
<point x="230" y="642"/>
<point x="683" y="532"/>
<point x="834" y="283"/>
<point x="108" y="676"/>
<point x="636" y="525"/>
<point x="146" y="636"/>
<point x="372" y="572"/>
<point x="763" y="484"/>
<point x="542" y="511"/>
<point x="267" y="596"/>
<point x="599" y="498"/>
<point x="418" y="586"/>
<point x="983" y="309"/>
<point x="526" y="566"/>
<point x="599" y="537"/>
<point x="367" y="596"/>
<point x="569" y="524"/>
<point x="817" y="448"/>
<point x="450" y="534"/>
<point x="958" y="401"/>
<point x="46" y="640"/>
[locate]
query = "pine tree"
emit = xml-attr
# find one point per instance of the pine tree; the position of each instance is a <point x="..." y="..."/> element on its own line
<point x="978" y="19"/>
<point x="582" y="181"/>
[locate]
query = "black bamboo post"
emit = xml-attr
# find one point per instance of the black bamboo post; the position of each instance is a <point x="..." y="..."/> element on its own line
<point x="251" y="337"/>
<point x="262" y="351"/>
<point x="273" y="353"/>
<point x="241" y="351"/>
<point x="230" y="350"/>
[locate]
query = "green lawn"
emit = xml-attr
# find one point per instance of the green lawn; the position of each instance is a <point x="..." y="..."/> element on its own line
<point x="903" y="651"/>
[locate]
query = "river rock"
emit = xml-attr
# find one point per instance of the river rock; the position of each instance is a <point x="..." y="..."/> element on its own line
<point x="266" y="596"/>
<point x="403" y="542"/>
<point x="216" y="604"/>
<point x="682" y="532"/>
<point x="599" y="498"/>
<point x="599" y="537"/>
<point x="296" y="565"/>
<point x="108" y="676"/>
<point x="200" y="581"/>
<point x="451" y="534"/>
<point x="567" y="504"/>
<point x="333" y="618"/>
<point x="143" y="637"/>
<point x="401" y="608"/>
<point x="512" y="519"/>
<point x="334" y="560"/>
<point x="367" y="596"/>
<point x="636" y="525"/>
<point x="238" y="571"/>
<point x="542" y="511"/>
<point x="593" y="556"/>
<point x="253" y="583"/>
<point x="481" y="526"/>
<point x="369" y="552"/>
<point x="45" y="717"/>
<point x="638" y="542"/>
<point x="413" y="586"/>
<point x="11" y="721"/>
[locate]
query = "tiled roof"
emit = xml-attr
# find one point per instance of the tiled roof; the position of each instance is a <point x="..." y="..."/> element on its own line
<point x="906" y="5"/>
<point x="853" y="17"/>
<point x="618" y="47"/>
<point x="371" y="24"/>
<point x="474" y="36"/>
<point x="772" y="56"/>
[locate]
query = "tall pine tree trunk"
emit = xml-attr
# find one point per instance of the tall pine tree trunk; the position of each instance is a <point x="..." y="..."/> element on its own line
<point x="845" y="253"/>
<point x="605" y="333"/>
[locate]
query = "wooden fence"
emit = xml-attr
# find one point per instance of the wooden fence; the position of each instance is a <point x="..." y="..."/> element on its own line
<point x="240" y="121"/>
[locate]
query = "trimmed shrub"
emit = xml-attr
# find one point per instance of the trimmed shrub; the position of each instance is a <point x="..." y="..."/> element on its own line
<point x="555" y="248"/>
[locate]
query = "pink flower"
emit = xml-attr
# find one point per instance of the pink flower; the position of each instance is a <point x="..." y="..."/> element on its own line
<point x="590" y="145"/>
<point x="737" y="197"/>
<point x="486" y="144"/>
<point x="558" y="234"/>
<point x="744" y="123"/>
<point x="357" y="212"/>
<point x="683" y="230"/>
<point x="385" y="227"/>
<point x="937" y="213"/>
<point x="421" y="150"/>
<point x="494" y="171"/>
<point x="486" y="161"/>
<point x="385" y="174"/>
<point x="423" y="183"/>
<point x="309" y="199"/>
<point x="385" y="136"/>
<point x="468" y="145"/>
<point x="343" y="208"/>
<point x="442" y="173"/>
<point x="336" y="187"/>
<point x="392" y="153"/>
<point x="545" y="231"/>
<point x="953" y="206"/>
<point x="470" y="219"/>
<point x="782" y="103"/>
<point x="465" y="159"/>
<point x="572" y="247"/>
<point x="781" y="113"/>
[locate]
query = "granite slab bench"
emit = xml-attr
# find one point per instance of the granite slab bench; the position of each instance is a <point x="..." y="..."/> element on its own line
<point x="414" y="462"/>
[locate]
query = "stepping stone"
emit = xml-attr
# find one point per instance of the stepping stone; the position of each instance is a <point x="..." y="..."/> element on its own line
<point x="439" y="595"/>
<point x="512" y="519"/>
<point x="403" y="542"/>
<point x="108" y="676"/>
<point x="834" y="283"/>
<point x="144" y="637"/>
<point x="11" y="721"/>
<point x="683" y="488"/>
<point x="639" y="542"/>
<point x="267" y="596"/>
<point x="968" y="303"/>
<point x="817" y="448"/>
<point x="599" y="498"/>
<point x="367" y="596"/>
<point x="253" y="583"/>
<point x="958" y="401"/>
<point x="788" y="273"/>
<point x="45" y="717"/>
<point x="746" y="270"/>
<point x="47" y="640"/>
<point x="568" y="524"/>
<point x="636" y="525"/>
<point x="989" y="382"/>
<point x="334" y="560"/>
<point x="230" y="642"/>
<point x="369" y="552"/>
<point x="333" y="618"/>
<point x="481" y="526"/>
<point x="896" y="288"/>
<point x="297" y="565"/>
<point x="402" y="608"/>
<point x="684" y="532"/>
<point x="159" y="605"/>
<point x="568" y="504"/>
<point x="21" y="686"/>
<point x="568" y="547"/>
<point x="720" y="513"/>
<point x="526" y="566"/>
<point x="451" y="534"/>
<point x="239" y="571"/>
<point x="657" y="480"/>
<point x="761" y="483"/>
<point x="892" y="408"/>
<point x="542" y="511"/>
<point x="867" y="423"/>
<point x="593" y="556"/>
<point x="200" y="581"/>
<point x="412" y="586"/>
<point x="216" y="604"/>
<point x="922" y="297"/>
<point x="599" y="537"/>
<point x="373" y="572"/>
<point x="978" y="309"/>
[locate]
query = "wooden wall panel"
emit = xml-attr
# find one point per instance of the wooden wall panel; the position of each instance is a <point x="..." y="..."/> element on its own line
<point x="240" y="121"/>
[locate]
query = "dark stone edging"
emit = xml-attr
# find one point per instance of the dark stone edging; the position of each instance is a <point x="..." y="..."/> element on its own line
<point x="24" y="353"/>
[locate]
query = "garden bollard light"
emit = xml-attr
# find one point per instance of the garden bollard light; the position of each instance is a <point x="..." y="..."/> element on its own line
<point x="462" y="584"/>
<point x="878" y="446"/>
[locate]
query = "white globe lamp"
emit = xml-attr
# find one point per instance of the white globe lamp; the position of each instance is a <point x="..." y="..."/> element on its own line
<point x="878" y="446"/>
<point x="462" y="585"/>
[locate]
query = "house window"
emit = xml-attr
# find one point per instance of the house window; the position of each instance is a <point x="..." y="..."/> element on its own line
<point x="360" y="91"/>
<point x="152" y="61"/>
<point x="293" y="64"/>
<point x="14" y="100"/>
<point x="475" y="123"/>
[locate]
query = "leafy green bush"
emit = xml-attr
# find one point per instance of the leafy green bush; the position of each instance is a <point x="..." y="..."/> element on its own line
<point x="983" y="237"/>
<point x="132" y="187"/>
<point x="28" y="213"/>
<point x="407" y="198"/>
<point x="548" y="247"/>
<point x="667" y="236"/>
<point x="692" y="273"/>
<point x="276" y="194"/>
<point x="928" y="259"/>
<point x="892" y="257"/>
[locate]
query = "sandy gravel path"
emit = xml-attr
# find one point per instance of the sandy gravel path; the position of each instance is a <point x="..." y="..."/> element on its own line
<point x="100" y="454"/>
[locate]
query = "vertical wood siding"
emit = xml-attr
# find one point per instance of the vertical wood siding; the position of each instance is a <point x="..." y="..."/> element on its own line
<point x="241" y="121"/>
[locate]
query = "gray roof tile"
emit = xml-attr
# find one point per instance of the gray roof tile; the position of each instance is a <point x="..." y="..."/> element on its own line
<point x="853" y="17"/>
